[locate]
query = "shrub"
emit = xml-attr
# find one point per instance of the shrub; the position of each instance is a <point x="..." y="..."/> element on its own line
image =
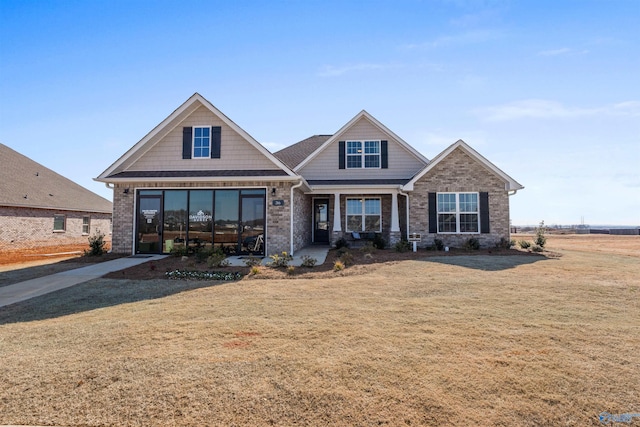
<point x="379" y="242"/>
<point x="472" y="243"/>
<point x="540" y="238"/>
<point x="252" y="261"/>
<point x="281" y="260"/>
<point x="439" y="244"/>
<point x="338" y="266"/>
<point x="402" y="246"/>
<point x="342" y="243"/>
<point x="341" y="251"/>
<point x="369" y="248"/>
<point x="524" y="244"/>
<point x="505" y="243"/>
<point x="217" y="258"/>
<point x="308" y="262"/>
<point x="255" y="270"/>
<point x="347" y="258"/>
<point x="179" y="251"/>
<point x="537" y="248"/>
<point x="290" y="270"/>
<point x="96" y="245"/>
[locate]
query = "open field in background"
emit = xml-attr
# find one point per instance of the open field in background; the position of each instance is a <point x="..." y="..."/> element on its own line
<point x="454" y="340"/>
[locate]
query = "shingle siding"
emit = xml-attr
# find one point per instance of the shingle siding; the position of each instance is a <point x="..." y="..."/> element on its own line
<point x="402" y="163"/>
<point x="236" y="152"/>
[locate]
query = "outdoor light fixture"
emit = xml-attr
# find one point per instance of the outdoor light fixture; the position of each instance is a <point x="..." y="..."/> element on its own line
<point x="126" y="191"/>
<point x="273" y="192"/>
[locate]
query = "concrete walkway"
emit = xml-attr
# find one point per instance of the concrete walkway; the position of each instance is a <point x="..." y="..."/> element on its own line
<point x="43" y="285"/>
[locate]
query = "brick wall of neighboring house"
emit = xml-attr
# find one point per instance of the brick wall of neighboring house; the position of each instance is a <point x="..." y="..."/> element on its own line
<point x="460" y="173"/>
<point x="28" y="228"/>
<point x="278" y="217"/>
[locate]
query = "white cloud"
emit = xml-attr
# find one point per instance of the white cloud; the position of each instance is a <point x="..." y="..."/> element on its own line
<point x="546" y="109"/>
<point x="562" y="51"/>
<point x="470" y="37"/>
<point x="333" y="71"/>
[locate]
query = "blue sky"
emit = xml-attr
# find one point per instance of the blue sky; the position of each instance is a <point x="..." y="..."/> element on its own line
<point x="549" y="91"/>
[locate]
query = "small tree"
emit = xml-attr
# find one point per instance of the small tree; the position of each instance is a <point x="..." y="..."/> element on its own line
<point x="540" y="239"/>
<point x="96" y="245"/>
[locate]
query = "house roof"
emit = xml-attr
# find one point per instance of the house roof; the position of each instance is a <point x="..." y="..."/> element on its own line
<point x="295" y="154"/>
<point x="362" y="114"/>
<point x="173" y="120"/>
<point x="198" y="174"/>
<point x="355" y="182"/>
<point x="26" y="183"/>
<point x="510" y="183"/>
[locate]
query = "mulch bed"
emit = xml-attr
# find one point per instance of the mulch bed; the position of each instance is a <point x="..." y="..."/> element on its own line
<point x="360" y="261"/>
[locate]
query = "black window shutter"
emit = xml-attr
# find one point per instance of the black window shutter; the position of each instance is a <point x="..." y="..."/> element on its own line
<point x="484" y="212"/>
<point x="341" y="151"/>
<point x="433" y="214"/>
<point x="186" y="142"/>
<point x="384" y="154"/>
<point x="216" y="141"/>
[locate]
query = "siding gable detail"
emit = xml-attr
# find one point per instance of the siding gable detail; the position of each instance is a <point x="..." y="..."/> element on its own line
<point x="397" y="159"/>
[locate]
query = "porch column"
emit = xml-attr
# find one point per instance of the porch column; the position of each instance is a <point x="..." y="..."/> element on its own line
<point x="337" y="224"/>
<point x="395" y="222"/>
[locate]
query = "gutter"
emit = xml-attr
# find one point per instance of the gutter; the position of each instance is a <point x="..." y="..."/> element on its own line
<point x="406" y="209"/>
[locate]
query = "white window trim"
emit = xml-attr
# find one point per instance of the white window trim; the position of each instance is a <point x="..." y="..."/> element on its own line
<point x="88" y="225"/>
<point x="457" y="212"/>
<point x="193" y="142"/>
<point x="363" y="214"/>
<point x="363" y="153"/>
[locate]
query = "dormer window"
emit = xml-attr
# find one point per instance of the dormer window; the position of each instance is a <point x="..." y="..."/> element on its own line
<point x="363" y="154"/>
<point x="201" y="142"/>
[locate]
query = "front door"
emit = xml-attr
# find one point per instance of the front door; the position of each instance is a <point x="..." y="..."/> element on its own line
<point x="149" y="225"/>
<point x="321" y="220"/>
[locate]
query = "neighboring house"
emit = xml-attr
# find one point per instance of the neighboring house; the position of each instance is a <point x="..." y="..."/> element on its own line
<point x="40" y="208"/>
<point x="198" y="179"/>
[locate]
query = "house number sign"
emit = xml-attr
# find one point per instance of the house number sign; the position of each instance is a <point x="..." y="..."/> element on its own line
<point x="278" y="202"/>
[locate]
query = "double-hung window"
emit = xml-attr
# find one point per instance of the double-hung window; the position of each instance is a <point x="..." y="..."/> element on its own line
<point x="363" y="154"/>
<point x="86" y="222"/>
<point x="59" y="223"/>
<point x="458" y="213"/>
<point x="201" y="142"/>
<point x="364" y="215"/>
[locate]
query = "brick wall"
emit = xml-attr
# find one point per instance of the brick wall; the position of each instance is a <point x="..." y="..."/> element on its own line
<point x="25" y="228"/>
<point x="460" y="173"/>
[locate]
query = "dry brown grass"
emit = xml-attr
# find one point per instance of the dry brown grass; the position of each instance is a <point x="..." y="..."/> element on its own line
<point x="467" y="340"/>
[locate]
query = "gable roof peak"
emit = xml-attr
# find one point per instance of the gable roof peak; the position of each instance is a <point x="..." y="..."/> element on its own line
<point x="362" y="114"/>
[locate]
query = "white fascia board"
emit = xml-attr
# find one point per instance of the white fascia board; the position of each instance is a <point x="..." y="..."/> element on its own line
<point x="330" y="189"/>
<point x="189" y="106"/>
<point x="202" y="179"/>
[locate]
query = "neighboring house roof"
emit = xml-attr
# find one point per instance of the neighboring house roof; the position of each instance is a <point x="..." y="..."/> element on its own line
<point x="295" y="154"/>
<point x="510" y="183"/>
<point x="372" y="120"/>
<point x="174" y="120"/>
<point x="26" y="183"/>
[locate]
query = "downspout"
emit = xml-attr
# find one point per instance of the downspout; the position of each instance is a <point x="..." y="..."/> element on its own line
<point x="298" y="185"/>
<point x="406" y="198"/>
